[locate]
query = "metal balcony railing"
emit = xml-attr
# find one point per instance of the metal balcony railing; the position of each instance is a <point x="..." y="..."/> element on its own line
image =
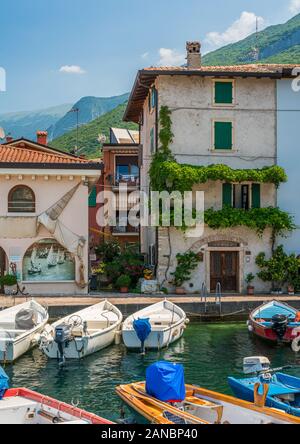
<point x="130" y="180"/>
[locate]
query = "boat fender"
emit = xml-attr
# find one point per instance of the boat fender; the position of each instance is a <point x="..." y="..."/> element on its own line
<point x="187" y="321"/>
<point x="296" y="345"/>
<point x="118" y="336"/>
<point x="250" y="328"/>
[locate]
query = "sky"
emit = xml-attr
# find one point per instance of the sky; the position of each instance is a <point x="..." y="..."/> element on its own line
<point x="57" y="51"/>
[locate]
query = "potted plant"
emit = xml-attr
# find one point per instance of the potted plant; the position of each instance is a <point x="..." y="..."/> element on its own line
<point x="250" y="288"/>
<point x="274" y="270"/>
<point x="293" y="276"/>
<point x="9" y="282"/>
<point x="123" y="283"/>
<point x="186" y="263"/>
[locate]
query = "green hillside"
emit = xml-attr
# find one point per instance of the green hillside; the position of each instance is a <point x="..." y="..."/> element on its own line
<point x="88" y="134"/>
<point x="279" y="42"/>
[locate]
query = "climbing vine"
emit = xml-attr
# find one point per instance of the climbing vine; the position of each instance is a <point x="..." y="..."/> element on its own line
<point x="181" y="177"/>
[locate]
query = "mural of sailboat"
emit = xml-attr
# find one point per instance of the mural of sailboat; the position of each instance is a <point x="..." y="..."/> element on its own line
<point x="61" y="257"/>
<point x="52" y="258"/>
<point x="35" y="267"/>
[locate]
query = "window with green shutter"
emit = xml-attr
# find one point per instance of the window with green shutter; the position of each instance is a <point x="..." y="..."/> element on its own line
<point x="223" y="135"/>
<point x="256" y="201"/>
<point x="93" y="198"/>
<point x="227" y="195"/>
<point x="152" y="140"/>
<point x="224" y="93"/>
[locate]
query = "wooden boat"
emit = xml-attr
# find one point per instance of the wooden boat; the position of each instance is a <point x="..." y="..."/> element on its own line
<point x="82" y="333"/>
<point x="275" y="321"/>
<point x="51" y="258"/>
<point x="166" y="324"/>
<point x="201" y="406"/>
<point x="23" y="406"/>
<point x="19" y="328"/>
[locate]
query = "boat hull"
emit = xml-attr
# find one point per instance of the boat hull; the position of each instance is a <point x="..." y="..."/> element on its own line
<point x="246" y="393"/>
<point x="269" y="335"/>
<point x="157" y="339"/>
<point x="79" y="348"/>
<point x="202" y="406"/>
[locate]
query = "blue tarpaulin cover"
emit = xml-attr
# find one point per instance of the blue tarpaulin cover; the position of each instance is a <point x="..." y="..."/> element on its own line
<point x="142" y="328"/>
<point x="165" y="381"/>
<point x="3" y="382"/>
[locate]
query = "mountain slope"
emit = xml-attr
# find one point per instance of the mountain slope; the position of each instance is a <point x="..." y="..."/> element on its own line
<point x="88" y="134"/>
<point x="25" y="124"/>
<point x="90" y="108"/>
<point x="272" y="41"/>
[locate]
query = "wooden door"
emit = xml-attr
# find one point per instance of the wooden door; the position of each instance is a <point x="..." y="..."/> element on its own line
<point x="2" y="265"/>
<point x="224" y="269"/>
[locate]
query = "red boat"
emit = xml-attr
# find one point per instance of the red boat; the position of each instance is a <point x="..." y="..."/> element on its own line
<point x="23" y="406"/>
<point x="276" y="322"/>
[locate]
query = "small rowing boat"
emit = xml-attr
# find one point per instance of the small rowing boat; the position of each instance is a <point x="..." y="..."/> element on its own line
<point x="164" y="399"/>
<point x="19" y="328"/>
<point x="283" y="390"/>
<point x="23" y="406"/>
<point x="154" y="327"/>
<point x="275" y="321"/>
<point x="83" y="333"/>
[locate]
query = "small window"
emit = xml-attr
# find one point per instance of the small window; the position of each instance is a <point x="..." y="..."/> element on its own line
<point x="241" y="197"/>
<point x="238" y="196"/>
<point x="152" y="99"/>
<point x="223" y="135"/>
<point x="93" y="198"/>
<point x="21" y="199"/>
<point x="224" y="93"/>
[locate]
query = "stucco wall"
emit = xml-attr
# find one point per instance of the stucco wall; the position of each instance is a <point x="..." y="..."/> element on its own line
<point x="74" y="217"/>
<point x="248" y="239"/>
<point x="254" y="120"/>
<point x="289" y="156"/>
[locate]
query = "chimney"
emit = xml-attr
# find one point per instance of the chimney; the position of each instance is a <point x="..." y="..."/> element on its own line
<point x="193" y="55"/>
<point x="9" y="138"/>
<point x="42" y="137"/>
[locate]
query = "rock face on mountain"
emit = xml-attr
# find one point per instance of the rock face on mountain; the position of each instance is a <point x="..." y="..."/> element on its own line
<point x="90" y="108"/>
<point x="273" y="42"/>
<point x="25" y="124"/>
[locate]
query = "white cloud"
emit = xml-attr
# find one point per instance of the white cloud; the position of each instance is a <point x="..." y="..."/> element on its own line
<point x="294" y="6"/>
<point x="145" y="55"/>
<point x="239" y="30"/>
<point x="170" y="57"/>
<point x="72" y="69"/>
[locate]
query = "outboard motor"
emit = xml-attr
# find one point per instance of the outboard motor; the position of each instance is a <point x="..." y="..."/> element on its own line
<point x="279" y="325"/>
<point x="62" y="337"/>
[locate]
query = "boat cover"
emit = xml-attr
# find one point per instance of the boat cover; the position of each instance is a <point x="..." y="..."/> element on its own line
<point x="142" y="328"/>
<point x="25" y="319"/>
<point x="165" y="382"/>
<point x="3" y="382"/>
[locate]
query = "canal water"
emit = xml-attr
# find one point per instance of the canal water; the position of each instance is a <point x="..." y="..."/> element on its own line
<point x="209" y="353"/>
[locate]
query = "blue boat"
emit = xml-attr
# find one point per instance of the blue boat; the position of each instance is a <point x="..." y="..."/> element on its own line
<point x="283" y="393"/>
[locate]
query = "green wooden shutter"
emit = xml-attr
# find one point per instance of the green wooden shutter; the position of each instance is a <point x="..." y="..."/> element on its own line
<point x="256" y="195"/>
<point x="224" y="92"/>
<point x="223" y="135"/>
<point x="93" y="197"/>
<point x="227" y="194"/>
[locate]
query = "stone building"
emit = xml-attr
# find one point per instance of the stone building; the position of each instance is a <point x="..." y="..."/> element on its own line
<point x="220" y="115"/>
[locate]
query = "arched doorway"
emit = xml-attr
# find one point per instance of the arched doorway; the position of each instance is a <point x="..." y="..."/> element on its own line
<point x="3" y="265"/>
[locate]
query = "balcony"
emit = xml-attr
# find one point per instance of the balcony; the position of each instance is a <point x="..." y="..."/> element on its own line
<point x="131" y="180"/>
<point x="125" y="231"/>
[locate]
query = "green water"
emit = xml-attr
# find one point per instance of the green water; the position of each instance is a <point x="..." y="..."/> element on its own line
<point x="209" y="353"/>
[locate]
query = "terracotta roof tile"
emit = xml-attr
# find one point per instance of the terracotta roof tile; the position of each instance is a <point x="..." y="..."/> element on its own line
<point x="10" y="154"/>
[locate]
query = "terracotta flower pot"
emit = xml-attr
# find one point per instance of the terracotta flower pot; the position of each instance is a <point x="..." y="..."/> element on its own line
<point x="250" y="290"/>
<point x="180" y="291"/>
<point x="124" y="290"/>
<point x="291" y="290"/>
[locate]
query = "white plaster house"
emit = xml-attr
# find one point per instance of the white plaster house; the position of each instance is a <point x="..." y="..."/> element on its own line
<point x="44" y="217"/>
<point x="288" y="118"/>
<point x="220" y="115"/>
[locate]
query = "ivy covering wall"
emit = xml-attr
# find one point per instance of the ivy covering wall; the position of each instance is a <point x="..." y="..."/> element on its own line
<point x="167" y="174"/>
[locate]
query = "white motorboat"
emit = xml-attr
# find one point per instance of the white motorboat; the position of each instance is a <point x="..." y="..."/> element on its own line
<point x="154" y="327"/>
<point x="23" y="406"/>
<point x="19" y="328"/>
<point x="82" y="333"/>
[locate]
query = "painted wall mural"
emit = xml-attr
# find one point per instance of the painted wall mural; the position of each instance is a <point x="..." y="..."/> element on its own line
<point x="47" y="260"/>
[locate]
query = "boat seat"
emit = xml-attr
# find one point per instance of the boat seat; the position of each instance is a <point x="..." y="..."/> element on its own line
<point x="204" y="404"/>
